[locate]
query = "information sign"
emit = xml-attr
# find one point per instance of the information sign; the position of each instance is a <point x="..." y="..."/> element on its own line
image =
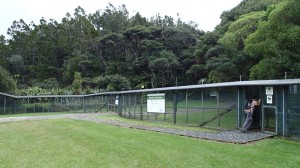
<point x="156" y="103"/>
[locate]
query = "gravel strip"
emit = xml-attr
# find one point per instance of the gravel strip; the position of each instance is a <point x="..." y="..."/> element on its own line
<point x="234" y="136"/>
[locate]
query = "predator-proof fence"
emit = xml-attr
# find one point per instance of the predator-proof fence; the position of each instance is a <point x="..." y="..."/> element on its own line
<point x="196" y="107"/>
<point x="210" y="105"/>
<point x="58" y="103"/>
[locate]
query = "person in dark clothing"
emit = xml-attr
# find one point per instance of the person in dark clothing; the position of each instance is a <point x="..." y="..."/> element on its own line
<point x="249" y="112"/>
<point x="256" y="117"/>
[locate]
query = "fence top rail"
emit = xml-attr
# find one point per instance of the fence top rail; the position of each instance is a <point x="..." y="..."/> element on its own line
<point x="224" y="84"/>
<point x="279" y="82"/>
<point x="39" y="96"/>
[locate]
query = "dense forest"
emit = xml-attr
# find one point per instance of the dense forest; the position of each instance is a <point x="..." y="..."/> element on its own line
<point x="108" y="50"/>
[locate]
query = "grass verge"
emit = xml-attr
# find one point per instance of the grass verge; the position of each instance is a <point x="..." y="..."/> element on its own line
<point x="35" y="114"/>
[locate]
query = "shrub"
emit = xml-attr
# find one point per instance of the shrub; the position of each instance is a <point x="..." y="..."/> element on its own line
<point x="7" y="84"/>
<point x="113" y="82"/>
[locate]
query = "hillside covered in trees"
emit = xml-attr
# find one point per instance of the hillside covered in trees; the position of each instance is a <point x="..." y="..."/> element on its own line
<point x="258" y="39"/>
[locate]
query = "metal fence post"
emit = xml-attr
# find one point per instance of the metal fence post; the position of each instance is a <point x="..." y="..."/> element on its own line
<point x="186" y="107"/>
<point x="218" y="100"/>
<point x="83" y="104"/>
<point x="4" y="107"/>
<point x="119" y="105"/>
<point x="202" y="106"/>
<point x="141" y="106"/>
<point x="134" y="105"/>
<point x="174" y="106"/>
<point x="107" y="102"/>
<point x="15" y="106"/>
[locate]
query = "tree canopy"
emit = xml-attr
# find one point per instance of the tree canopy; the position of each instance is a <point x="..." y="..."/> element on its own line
<point x="7" y="83"/>
<point x="276" y="42"/>
<point x="108" y="49"/>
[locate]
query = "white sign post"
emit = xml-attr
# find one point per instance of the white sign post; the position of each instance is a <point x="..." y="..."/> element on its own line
<point x="156" y="103"/>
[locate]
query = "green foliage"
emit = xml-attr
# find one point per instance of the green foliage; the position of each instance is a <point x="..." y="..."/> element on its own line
<point x="221" y="69"/>
<point x="226" y="60"/>
<point x="83" y="63"/>
<point x="113" y="82"/>
<point x="163" y="67"/>
<point x="50" y="83"/>
<point x="266" y="69"/>
<point x="196" y="71"/>
<point x="138" y="19"/>
<point x="17" y="63"/>
<point x="245" y="7"/>
<point x="7" y="84"/>
<point x="4" y="52"/>
<point x="111" y="20"/>
<point x="277" y="41"/>
<point x="239" y="30"/>
<point x="152" y="52"/>
<point x="33" y="91"/>
<point x="76" y="85"/>
<point x="207" y="41"/>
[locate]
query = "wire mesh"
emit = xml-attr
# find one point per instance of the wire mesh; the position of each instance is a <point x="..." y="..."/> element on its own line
<point x="216" y="107"/>
<point x="293" y="112"/>
<point x="198" y="107"/>
<point x="95" y="103"/>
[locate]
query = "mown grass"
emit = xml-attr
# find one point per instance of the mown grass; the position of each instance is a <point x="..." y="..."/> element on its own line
<point x="35" y="114"/>
<point x="157" y="123"/>
<point x="70" y="143"/>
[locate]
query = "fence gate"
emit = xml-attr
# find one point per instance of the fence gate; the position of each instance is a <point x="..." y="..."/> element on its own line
<point x="113" y="102"/>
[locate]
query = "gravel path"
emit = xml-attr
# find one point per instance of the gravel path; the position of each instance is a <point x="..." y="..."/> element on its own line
<point x="234" y="136"/>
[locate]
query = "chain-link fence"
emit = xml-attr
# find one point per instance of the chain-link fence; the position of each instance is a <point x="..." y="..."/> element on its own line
<point x="196" y="107"/>
<point x="213" y="105"/>
<point x="293" y="112"/>
<point x="59" y="103"/>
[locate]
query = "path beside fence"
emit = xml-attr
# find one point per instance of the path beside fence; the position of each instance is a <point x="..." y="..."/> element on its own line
<point x="234" y="136"/>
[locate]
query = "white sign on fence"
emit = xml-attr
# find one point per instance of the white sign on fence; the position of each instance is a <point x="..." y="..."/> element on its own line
<point x="269" y="99"/>
<point x="117" y="100"/>
<point x="156" y="103"/>
<point x="269" y="90"/>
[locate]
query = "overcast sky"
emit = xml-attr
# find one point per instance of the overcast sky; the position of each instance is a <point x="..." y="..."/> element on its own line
<point x="206" y="13"/>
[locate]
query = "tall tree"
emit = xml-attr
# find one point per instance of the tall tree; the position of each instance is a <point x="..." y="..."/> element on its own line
<point x="110" y="20"/>
<point x="76" y="85"/>
<point x="239" y="30"/>
<point x="246" y="6"/>
<point x="4" y="51"/>
<point x="163" y="68"/>
<point x="233" y="43"/>
<point x="138" y="19"/>
<point x="276" y="42"/>
<point x="7" y="83"/>
<point x="114" y="53"/>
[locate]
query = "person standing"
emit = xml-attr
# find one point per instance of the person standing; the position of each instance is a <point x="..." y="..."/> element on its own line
<point x="249" y="114"/>
<point x="256" y="117"/>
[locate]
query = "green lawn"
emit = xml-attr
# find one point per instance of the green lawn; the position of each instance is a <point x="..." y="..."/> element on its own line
<point x="158" y="124"/>
<point x="70" y="143"/>
<point x="36" y="114"/>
